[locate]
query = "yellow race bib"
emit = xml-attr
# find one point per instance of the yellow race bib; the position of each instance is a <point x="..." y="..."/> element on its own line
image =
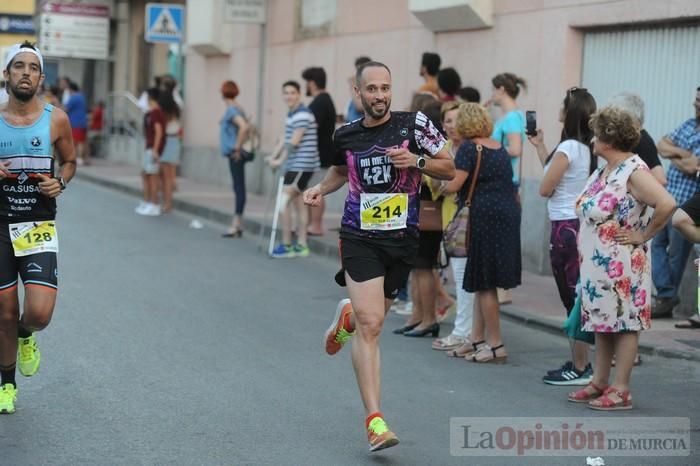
<point x="386" y="211"/>
<point x="33" y="237"/>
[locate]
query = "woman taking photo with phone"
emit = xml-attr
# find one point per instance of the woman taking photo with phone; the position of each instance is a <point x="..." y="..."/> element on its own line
<point x="566" y="170"/>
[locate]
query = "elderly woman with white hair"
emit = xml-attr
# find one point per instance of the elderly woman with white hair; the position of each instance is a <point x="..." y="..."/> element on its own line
<point x="646" y="149"/>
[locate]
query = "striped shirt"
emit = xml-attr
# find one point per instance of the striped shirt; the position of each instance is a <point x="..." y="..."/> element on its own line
<point x="304" y="158"/>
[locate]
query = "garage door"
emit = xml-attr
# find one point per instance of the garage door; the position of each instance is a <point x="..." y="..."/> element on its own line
<point x="660" y="64"/>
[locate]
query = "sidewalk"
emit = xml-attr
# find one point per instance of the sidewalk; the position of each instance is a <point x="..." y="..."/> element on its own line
<point x="536" y="302"/>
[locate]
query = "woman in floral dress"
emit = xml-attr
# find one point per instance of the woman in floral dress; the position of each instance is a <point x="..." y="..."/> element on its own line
<point x="615" y="211"/>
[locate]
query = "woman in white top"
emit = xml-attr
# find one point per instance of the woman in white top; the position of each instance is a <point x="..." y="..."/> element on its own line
<point x="566" y="170"/>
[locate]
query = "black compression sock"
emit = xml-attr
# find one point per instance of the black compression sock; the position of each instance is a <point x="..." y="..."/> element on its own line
<point x="23" y="332"/>
<point x="7" y="375"/>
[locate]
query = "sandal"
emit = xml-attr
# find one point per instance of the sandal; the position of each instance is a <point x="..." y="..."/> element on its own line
<point x="449" y="342"/>
<point x="487" y="354"/>
<point x="584" y="395"/>
<point x="466" y="349"/>
<point x="605" y="403"/>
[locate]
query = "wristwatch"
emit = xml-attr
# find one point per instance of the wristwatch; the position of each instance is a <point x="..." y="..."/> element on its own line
<point x="62" y="183"/>
<point x="420" y="163"/>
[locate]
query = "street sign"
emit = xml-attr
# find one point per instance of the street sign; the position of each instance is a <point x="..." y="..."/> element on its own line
<point x="244" y="11"/>
<point x="16" y="24"/>
<point x="75" y="30"/>
<point x="164" y="23"/>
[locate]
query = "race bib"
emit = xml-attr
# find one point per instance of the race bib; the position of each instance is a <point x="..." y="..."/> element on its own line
<point x="384" y="211"/>
<point x="33" y="237"/>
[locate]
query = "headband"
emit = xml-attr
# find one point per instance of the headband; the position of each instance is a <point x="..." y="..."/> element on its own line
<point x="16" y="49"/>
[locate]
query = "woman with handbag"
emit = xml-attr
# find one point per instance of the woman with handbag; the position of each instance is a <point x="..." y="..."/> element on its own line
<point x="233" y="133"/>
<point x="484" y="186"/>
<point x="566" y="170"/>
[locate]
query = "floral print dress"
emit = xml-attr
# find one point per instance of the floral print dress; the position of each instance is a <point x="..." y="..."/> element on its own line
<point x="615" y="278"/>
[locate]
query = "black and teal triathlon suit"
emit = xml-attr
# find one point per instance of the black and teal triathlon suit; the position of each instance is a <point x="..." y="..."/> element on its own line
<point x="379" y="228"/>
<point x="27" y="217"/>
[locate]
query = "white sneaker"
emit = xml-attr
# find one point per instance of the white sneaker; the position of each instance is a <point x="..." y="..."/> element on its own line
<point x="141" y="208"/>
<point x="152" y="210"/>
<point x="402" y="308"/>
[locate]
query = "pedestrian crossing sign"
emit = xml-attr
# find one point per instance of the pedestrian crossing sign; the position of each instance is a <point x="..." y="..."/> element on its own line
<point x="164" y="23"/>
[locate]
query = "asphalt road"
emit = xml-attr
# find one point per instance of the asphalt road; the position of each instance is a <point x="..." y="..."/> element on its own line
<point x="172" y="346"/>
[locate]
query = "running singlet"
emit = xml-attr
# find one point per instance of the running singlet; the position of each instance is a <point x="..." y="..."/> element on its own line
<point x="382" y="200"/>
<point x="29" y="151"/>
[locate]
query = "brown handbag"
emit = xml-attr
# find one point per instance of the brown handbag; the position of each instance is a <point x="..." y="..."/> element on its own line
<point x="430" y="216"/>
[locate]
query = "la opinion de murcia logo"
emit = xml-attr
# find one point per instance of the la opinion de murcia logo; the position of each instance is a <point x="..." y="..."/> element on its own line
<point x="36" y="142"/>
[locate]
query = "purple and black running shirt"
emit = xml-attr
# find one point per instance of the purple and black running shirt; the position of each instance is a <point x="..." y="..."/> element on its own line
<point x="382" y="200"/>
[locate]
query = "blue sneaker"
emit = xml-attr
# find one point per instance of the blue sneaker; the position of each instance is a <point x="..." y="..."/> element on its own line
<point x="570" y="377"/>
<point x="283" y="251"/>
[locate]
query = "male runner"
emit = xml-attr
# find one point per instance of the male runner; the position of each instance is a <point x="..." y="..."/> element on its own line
<point x="383" y="157"/>
<point x="30" y="130"/>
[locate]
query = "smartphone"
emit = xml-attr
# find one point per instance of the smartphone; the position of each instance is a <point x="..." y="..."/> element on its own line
<point x="531" y="122"/>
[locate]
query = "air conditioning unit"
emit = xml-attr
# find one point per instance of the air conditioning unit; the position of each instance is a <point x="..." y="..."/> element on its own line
<point x="453" y="15"/>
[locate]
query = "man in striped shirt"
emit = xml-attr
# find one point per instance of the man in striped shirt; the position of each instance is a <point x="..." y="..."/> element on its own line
<point x="299" y="154"/>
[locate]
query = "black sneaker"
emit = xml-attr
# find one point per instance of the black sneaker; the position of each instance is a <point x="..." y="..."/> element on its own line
<point x="568" y="365"/>
<point x="570" y="377"/>
<point x="663" y="307"/>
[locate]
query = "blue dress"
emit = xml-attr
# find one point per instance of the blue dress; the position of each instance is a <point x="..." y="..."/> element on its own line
<point x="494" y="247"/>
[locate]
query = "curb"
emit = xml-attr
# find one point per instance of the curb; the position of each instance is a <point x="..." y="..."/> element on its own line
<point x="544" y="324"/>
<point x="322" y="248"/>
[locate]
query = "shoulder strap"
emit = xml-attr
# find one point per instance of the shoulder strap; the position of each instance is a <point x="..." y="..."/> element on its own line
<point x="472" y="185"/>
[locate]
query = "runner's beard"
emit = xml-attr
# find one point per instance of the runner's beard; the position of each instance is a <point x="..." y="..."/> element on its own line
<point x="371" y="112"/>
<point x="25" y="95"/>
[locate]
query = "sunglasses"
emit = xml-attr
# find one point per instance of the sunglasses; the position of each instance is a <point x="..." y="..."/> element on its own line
<point x="570" y="91"/>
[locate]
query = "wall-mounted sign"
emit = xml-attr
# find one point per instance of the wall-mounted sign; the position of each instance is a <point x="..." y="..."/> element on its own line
<point x="75" y="30"/>
<point x="17" y="24"/>
<point x="244" y="11"/>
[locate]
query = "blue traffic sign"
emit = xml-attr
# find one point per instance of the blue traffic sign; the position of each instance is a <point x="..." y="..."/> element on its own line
<point x="164" y="23"/>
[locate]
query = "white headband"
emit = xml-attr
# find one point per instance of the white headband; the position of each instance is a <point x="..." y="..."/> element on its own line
<point x="16" y="49"/>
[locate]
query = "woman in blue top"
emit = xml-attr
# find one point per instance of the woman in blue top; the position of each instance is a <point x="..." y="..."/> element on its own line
<point x="233" y="133"/>
<point x="509" y="130"/>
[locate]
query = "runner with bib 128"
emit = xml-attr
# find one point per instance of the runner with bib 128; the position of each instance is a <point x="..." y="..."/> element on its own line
<point x="30" y="132"/>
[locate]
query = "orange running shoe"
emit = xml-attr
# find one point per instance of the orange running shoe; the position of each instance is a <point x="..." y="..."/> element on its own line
<point x="340" y="330"/>
<point x="379" y="435"/>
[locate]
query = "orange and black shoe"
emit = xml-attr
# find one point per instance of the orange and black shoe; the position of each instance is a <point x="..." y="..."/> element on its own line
<point x="341" y="330"/>
<point x="378" y="433"/>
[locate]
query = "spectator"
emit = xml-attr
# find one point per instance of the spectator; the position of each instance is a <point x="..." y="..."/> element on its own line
<point x="509" y="130"/>
<point x="299" y="152"/>
<point x="669" y="249"/>
<point x="76" y="108"/>
<point x="232" y="134"/>
<point x="170" y="158"/>
<point x="4" y="96"/>
<point x="95" y="127"/>
<point x="615" y="211"/>
<point x="324" y="112"/>
<point x="170" y="85"/>
<point x="469" y="94"/>
<point x="429" y="68"/>
<point x="457" y="343"/>
<point x="646" y="149"/>
<point x="154" y="129"/>
<point x="494" y="245"/>
<point x="354" y="108"/>
<point x="687" y="220"/>
<point x="64" y="90"/>
<point x="566" y="170"/>
<point x="449" y="84"/>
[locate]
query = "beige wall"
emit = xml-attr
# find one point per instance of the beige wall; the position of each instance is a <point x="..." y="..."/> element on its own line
<point x="540" y="40"/>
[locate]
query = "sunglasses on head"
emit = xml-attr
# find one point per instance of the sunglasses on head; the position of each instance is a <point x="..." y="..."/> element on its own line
<point x="570" y="91"/>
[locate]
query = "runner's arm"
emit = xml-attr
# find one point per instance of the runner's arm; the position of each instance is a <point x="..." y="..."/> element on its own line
<point x="440" y="165"/>
<point x="64" y="144"/>
<point x="336" y="177"/>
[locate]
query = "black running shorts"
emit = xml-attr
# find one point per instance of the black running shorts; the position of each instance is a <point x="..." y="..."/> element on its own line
<point x="299" y="180"/>
<point x="37" y="269"/>
<point x="367" y="258"/>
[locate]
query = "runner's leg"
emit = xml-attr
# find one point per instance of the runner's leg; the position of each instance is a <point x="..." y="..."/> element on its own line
<point x="369" y="306"/>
